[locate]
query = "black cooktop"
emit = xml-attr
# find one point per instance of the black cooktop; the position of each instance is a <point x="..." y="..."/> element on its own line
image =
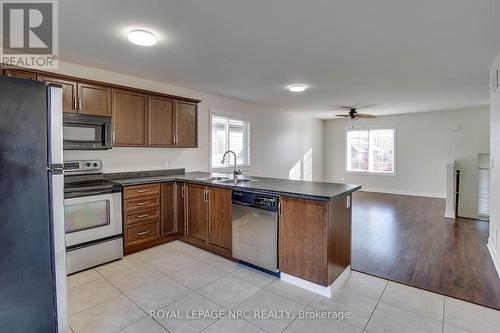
<point x="82" y="185"/>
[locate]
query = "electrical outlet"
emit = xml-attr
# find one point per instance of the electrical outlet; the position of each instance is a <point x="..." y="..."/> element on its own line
<point x="167" y="164"/>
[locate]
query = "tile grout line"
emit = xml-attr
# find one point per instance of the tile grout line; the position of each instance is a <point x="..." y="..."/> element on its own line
<point x="376" y="305"/>
<point x="146" y="314"/>
<point x="411" y="311"/>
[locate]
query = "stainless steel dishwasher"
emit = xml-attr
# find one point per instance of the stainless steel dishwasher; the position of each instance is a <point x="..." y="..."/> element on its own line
<point x="255" y="229"/>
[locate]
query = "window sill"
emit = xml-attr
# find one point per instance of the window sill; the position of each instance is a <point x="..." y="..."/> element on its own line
<point x="367" y="173"/>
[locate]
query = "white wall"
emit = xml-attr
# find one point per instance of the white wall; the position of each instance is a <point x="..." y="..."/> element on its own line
<point x="494" y="241"/>
<point x="279" y="138"/>
<point x="424" y="143"/>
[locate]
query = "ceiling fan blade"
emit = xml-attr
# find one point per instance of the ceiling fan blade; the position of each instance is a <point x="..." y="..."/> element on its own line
<point x="364" y="115"/>
<point x="343" y="115"/>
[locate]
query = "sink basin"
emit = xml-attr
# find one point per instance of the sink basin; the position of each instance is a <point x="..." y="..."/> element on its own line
<point x="237" y="181"/>
<point x="215" y="178"/>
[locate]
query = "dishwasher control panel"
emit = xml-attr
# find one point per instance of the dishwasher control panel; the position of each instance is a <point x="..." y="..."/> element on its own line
<point x="257" y="200"/>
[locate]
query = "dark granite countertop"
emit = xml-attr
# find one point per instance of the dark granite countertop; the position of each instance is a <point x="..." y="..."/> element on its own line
<point x="293" y="188"/>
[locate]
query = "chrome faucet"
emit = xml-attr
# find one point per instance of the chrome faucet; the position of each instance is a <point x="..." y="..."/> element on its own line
<point x="235" y="172"/>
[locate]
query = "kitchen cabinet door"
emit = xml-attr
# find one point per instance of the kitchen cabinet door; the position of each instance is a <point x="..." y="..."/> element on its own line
<point x="180" y="189"/>
<point x="19" y="74"/>
<point x="196" y="212"/>
<point x="94" y="99"/>
<point x="167" y="209"/>
<point x="129" y="118"/>
<point x="69" y="92"/>
<point x="219" y="217"/>
<point x="302" y="239"/>
<point x="187" y="124"/>
<point x="161" y="122"/>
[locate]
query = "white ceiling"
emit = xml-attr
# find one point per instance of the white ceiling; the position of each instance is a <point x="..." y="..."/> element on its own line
<point x="401" y="55"/>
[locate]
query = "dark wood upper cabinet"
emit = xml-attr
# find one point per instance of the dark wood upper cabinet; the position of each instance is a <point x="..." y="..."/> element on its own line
<point x="140" y="118"/>
<point x="129" y="118"/>
<point x="69" y="92"/>
<point x="196" y="211"/>
<point x="167" y="209"/>
<point x="20" y="74"/>
<point x="219" y="217"/>
<point x="161" y="131"/>
<point x="187" y="124"/>
<point x="94" y="99"/>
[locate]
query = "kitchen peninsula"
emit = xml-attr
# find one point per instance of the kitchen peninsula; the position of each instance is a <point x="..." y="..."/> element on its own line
<point x="314" y="219"/>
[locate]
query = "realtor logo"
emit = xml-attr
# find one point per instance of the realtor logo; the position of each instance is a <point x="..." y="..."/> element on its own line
<point x="29" y="33"/>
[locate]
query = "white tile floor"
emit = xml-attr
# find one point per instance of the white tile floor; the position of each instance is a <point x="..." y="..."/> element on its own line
<point x="119" y="296"/>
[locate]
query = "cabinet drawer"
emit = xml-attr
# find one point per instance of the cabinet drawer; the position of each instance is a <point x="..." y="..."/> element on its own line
<point x="142" y="233"/>
<point x="141" y="191"/>
<point x="141" y="203"/>
<point x="139" y="216"/>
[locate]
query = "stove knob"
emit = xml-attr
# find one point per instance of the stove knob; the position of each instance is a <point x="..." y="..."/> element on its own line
<point x="88" y="164"/>
<point x="95" y="165"/>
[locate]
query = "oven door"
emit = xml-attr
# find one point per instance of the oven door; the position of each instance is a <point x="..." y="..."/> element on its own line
<point x="92" y="218"/>
<point x="82" y="132"/>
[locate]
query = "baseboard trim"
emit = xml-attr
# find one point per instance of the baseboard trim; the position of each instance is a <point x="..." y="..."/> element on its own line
<point x="494" y="256"/>
<point x="316" y="288"/>
<point x="415" y="194"/>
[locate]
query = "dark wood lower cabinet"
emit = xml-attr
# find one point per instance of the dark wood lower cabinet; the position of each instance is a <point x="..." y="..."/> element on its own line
<point x="148" y="216"/>
<point x="168" y="226"/>
<point x="219" y="217"/>
<point x="207" y="215"/>
<point x="179" y="205"/>
<point x="195" y="212"/>
<point x="315" y="238"/>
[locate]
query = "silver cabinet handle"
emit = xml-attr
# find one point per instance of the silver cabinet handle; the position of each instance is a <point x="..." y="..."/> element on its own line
<point x="74" y="103"/>
<point x="143" y="215"/>
<point x="79" y="104"/>
<point x="142" y="203"/>
<point x="183" y="190"/>
<point x="142" y="191"/>
<point x="143" y="233"/>
<point x="279" y="208"/>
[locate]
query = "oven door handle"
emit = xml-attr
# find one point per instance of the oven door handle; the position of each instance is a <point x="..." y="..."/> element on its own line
<point x="69" y="195"/>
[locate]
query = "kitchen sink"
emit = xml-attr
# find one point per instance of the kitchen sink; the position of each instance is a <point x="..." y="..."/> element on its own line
<point x="237" y="181"/>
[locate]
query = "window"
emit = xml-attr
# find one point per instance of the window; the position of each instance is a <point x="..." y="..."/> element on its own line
<point x="230" y="134"/>
<point x="370" y="150"/>
<point x="484" y="192"/>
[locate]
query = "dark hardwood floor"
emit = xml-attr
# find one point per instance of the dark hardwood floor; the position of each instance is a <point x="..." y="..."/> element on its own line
<point x="407" y="239"/>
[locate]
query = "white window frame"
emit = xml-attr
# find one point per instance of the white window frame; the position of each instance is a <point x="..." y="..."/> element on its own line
<point x="234" y="117"/>
<point x="368" y="128"/>
<point x="483" y="216"/>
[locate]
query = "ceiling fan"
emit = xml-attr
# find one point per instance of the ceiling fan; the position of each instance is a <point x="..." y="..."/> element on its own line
<point x="353" y="114"/>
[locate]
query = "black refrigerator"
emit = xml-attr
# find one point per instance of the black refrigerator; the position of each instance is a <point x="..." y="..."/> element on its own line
<point x="33" y="294"/>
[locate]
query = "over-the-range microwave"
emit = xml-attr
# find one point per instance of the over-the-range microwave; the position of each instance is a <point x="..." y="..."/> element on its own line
<point x="83" y="132"/>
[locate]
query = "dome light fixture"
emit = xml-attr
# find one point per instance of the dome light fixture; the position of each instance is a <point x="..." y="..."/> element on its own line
<point x="297" y="88"/>
<point x="142" y="37"/>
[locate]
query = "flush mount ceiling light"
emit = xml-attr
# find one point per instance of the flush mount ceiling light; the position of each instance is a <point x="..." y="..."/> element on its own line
<point x="142" y="38"/>
<point x="297" y="88"/>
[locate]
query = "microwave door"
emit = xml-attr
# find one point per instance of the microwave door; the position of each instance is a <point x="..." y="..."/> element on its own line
<point x="86" y="132"/>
